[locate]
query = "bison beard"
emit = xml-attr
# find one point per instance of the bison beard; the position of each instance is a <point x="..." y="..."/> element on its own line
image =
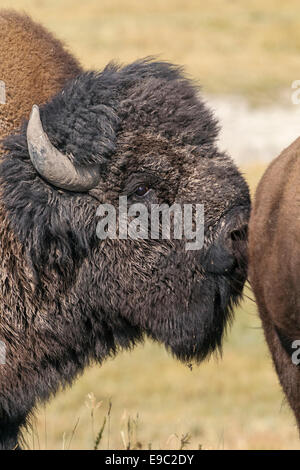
<point x="68" y="298"/>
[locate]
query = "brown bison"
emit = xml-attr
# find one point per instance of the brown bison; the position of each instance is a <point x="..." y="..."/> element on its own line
<point x="67" y="296"/>
<point x="34" y="66"/>
<point x="274" y="266"/>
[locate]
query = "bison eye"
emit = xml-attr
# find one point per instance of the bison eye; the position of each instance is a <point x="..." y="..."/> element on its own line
<point x="141" y="190"/>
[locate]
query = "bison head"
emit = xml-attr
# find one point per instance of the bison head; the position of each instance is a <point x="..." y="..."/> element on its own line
<point x="140" y="131"/>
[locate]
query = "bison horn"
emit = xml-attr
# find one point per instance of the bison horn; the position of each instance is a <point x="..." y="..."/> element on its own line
<point x="52" y="165"/>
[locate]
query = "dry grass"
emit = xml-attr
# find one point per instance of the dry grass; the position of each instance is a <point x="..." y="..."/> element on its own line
<point x="250" y="49"/>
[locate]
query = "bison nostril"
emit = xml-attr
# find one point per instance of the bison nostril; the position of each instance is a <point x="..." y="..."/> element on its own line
<point x="239" y="234"/>
<point x="238" y="243"/>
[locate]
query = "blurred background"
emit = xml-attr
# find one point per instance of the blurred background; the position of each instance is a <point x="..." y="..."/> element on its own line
<point x="245" y="57"/>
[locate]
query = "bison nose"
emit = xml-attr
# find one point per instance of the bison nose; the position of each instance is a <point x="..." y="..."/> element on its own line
<point x="229" y="250"/>
<point x="239" y="234"/>
<point x="236" y="234"/>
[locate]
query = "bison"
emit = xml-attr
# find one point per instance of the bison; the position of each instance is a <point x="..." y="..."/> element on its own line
<point x="69" y="298"/>
<point x="274" y="266"/>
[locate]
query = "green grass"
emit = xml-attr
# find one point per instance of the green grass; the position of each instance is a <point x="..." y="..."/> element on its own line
<point x="230" y="47"/>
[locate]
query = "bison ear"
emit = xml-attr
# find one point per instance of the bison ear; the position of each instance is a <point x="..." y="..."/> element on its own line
<point x="52" y="165"/>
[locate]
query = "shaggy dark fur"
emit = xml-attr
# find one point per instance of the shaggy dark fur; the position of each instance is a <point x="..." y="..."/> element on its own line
<point x="68" y="298"/>
<point x="274" y="253"/>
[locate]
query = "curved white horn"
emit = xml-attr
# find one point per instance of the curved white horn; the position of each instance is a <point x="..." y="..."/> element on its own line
<point x="51" y="164"/>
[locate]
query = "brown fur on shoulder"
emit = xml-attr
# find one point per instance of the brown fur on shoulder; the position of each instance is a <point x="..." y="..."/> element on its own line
<point x="34" y="66"/>
<point x="274" y="264"/>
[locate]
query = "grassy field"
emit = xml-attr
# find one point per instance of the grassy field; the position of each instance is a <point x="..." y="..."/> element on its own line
<point x="230" y="46"/>
<point x="236" y="402"/>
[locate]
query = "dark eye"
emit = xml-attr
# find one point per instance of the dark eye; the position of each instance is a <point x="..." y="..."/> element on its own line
<point x="141" y="190"/>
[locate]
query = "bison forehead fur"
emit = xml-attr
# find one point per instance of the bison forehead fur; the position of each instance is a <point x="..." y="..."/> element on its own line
<point x="69" y="297"/>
